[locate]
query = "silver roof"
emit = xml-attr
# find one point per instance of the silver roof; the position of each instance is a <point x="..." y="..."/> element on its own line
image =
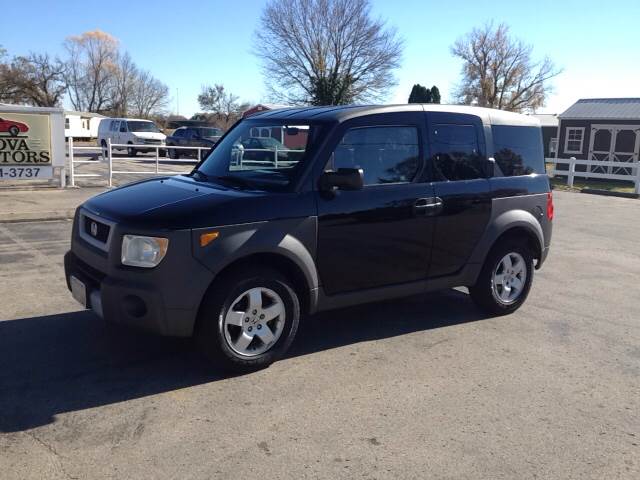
<point x="604" y="108"/>
<point x="547" y="119"/>
<point x="83" y="114"/>
<point x="344" y="112"/>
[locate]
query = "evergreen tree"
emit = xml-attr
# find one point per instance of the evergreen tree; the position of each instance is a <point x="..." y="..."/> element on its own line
<point x="420" y="94"/>
<point x="435" y="95"/>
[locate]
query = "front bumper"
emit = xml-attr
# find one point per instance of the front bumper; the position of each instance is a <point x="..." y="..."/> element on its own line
<point x="163" y="300"/>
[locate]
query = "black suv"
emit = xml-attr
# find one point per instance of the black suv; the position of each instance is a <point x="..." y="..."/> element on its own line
<point x="357" y="204"/>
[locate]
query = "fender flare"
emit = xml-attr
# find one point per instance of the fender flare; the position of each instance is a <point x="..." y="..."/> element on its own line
<point x="505" y="221"/>
<point x="240" y="242"/>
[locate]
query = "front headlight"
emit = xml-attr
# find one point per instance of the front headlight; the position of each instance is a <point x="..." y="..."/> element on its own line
<point x="147" y="252"/>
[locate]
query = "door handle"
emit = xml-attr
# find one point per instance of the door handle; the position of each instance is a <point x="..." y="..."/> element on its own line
<point x="428" y="206"/>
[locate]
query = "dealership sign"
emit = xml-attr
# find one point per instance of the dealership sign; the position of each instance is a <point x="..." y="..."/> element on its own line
<point x="25" y="146"/>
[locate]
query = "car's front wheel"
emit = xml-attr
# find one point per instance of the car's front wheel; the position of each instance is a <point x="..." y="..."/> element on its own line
<point x="248" y="320"/>
<point x="505" y="279"/>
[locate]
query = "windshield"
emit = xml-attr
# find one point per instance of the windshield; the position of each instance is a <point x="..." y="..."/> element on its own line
<point x="142" y="126"/>
<point x="209" y="132"/>
<point x="259" y="155"/>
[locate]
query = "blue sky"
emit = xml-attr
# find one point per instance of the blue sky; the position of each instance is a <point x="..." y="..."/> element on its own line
<point x="188" y="43"/>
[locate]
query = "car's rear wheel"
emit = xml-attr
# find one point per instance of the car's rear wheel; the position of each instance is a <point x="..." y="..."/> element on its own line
<point x="248" y="320"/>
<point x="505" y="279"/>
<point x="14" y="131"/>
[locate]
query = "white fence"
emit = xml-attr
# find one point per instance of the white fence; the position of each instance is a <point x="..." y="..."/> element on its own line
<point x="571" y="172"/>
<point x="118" y="164"/>
<point x="115" y="166"/>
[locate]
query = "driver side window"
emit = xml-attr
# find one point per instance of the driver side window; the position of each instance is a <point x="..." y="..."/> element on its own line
<point x="385" y="154"/>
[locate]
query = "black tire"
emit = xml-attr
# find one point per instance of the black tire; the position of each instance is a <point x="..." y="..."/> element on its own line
<point x="131" y="152"/>
<point x="483" y="292"/>
<point x="105" y="149"/>
<point x="173" y="154"/>
<point x="14" y="131"/>
<point x="210" y="334"/>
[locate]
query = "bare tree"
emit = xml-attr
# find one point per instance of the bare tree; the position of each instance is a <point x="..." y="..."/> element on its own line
<point x="124" y="83"/>
<point x="39" y="79"/>
<point x="35" y="79"/>
<point x="498" y="71"/>
<point x="326" y="52"/>
<point x="224" y="105"/>
<point x="7" y="88"/>
<point x="92" y="63"/>
<point x="148" y="96"/>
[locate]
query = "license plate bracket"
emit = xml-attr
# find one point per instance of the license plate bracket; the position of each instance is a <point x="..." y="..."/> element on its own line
<point x="78" y="290"/>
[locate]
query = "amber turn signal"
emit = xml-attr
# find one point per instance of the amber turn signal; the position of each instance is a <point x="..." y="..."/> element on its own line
<point x="207" y="238"/>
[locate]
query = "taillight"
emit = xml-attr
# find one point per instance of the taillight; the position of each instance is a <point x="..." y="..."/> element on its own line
<point x="550" y="205"/>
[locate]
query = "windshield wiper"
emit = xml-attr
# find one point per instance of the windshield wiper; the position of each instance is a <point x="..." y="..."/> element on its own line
<point x="233" y="180"/>
<point x="201" y="175"/>
<point x="229" y="180"/>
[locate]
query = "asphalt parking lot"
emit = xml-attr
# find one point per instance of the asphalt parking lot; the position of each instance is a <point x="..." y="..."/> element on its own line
<point x="424" y="387"/>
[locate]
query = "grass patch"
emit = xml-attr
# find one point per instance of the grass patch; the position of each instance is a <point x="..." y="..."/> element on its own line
<point x="560" y="183"/>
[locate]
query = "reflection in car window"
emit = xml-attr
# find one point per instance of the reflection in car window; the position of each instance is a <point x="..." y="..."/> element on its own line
<point x="455" y="153"/>
<point x="272" y="161"/>
<point x="518" y="150"/>
<point x="385" y="154"/>
<point x="179" y="132"/>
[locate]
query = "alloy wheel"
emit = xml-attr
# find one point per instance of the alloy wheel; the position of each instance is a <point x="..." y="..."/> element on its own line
<point x="254" y="322"/>
<point x="509" y="278"/>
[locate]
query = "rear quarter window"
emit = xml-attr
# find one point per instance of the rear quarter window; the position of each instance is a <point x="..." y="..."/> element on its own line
<point x="518" y="150"/>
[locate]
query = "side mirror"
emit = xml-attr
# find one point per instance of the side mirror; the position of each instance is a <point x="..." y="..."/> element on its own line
<point x="342" y="179"/>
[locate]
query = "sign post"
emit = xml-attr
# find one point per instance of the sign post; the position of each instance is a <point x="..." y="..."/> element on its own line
<point x="32" y="144"/>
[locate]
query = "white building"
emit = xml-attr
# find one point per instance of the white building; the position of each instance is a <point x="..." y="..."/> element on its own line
<point x="81" y="124"/>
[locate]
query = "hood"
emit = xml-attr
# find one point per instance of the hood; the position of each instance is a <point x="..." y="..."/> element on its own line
<point x="181" y="202"/>
<point x="150" y="135"/>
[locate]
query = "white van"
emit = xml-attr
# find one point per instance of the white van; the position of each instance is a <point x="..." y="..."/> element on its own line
<point x="129" y="131"/>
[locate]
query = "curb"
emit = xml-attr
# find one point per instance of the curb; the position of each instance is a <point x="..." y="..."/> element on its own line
<point x="609" y="193"/>
<point x="37" y="216"/>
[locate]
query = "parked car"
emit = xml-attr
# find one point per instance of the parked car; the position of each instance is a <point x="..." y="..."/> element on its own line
<point x="130" y="131"/>
<point x="263" y="149"/>
<point x="383" y="202"/>
<point x="192" y="137"/>
<point x="12" y="127"/>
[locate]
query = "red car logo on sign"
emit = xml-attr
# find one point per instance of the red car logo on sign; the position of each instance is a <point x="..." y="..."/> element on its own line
<point x="12" y="127"/>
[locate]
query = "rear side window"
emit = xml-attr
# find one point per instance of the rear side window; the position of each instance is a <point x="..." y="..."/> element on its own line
<point x="385" y="154"/>
<point x="455" y="152"/>
<point x="518" y="150"/>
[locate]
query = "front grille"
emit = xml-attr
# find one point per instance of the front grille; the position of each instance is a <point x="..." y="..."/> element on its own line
<point x="96" y="229"/>
<point x="152" y="141"/>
